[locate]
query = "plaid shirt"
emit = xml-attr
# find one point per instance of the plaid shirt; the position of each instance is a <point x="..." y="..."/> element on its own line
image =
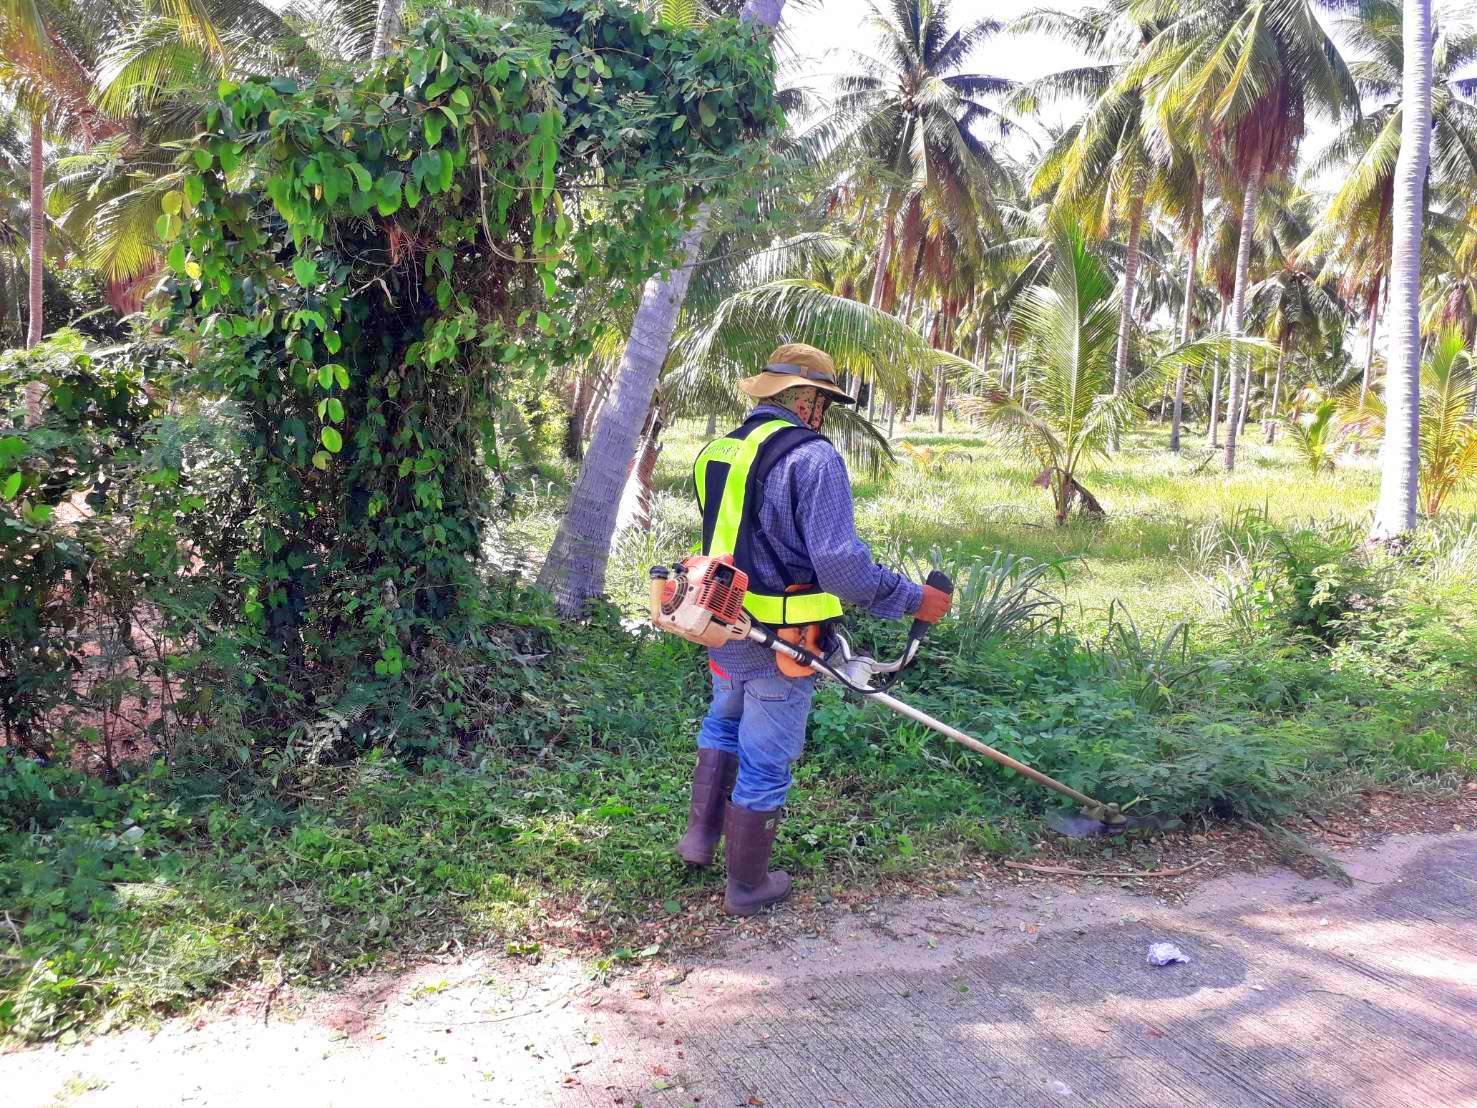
<point x="807" y="517"/>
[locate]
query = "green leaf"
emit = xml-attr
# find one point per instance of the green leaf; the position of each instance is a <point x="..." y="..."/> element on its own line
<point x="706" y="112"/>
<point x="305" y="270"/>
<point x="332" y="441"/>
<point x="176" y="257"/>
<point x="361" y="176"/>
<point x="388" y="192"/>
<point x="194" y="189"/>
<point x="433" y="125"/>
<point x="12" y="485"/>
<point x="172" y="202"/>
<point x="332" y="341"/>
<point x="679" y="122"/>
<point x="320" y="459"/>
<point x="335" y="409"/>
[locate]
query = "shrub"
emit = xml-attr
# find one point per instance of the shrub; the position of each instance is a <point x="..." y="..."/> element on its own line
<point x="79" y="463"/>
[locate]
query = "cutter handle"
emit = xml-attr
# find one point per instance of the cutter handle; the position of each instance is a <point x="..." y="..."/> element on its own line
<point x="941" y="581"/>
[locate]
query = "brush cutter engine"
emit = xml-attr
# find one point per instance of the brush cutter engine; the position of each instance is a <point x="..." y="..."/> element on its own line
<point x="700" y="599"/>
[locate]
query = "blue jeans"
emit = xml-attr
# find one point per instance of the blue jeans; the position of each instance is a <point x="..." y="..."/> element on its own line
<point x="763" y="722"/>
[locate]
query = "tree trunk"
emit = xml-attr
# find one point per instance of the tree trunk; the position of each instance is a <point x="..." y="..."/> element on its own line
<point x="387" y="18"/>
<point x="596" y="405"/>
<point x="1187" y="324"/>
<point x="1374" y="320"/>
<point x="1400" y="455"/>
<point x="575" y="568"/>
<point x="35" y="391"/>
<point x="712" y="429"/>
<point x="635" y="506"/>
<point x="1125" y="316"/>
<point x="1238" y="312"/>
<point x="884" y="256"/>
<point x="1269" y="428"/>
<point x="1213" y="428"/>
<point x="574" y="440"/>
<point x="574" y="571"/>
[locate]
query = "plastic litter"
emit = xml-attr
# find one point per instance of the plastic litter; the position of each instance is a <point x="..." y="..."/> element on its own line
<point x="1166" y="954"/>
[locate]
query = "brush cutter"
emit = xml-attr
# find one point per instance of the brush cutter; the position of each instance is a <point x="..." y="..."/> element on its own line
<point x="701" y="599"/>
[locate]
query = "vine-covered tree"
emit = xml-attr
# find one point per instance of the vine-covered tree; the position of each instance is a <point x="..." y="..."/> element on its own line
<point x="363" y="260"/>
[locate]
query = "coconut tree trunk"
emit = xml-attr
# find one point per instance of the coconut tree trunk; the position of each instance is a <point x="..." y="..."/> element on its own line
<point x="1269" y="427"/>
<point x="575" y="568"/>
<point x="35" y="391"/>
<point x="1245" y="401"/>
<point x="884" y="256"/>
<point x="385" y="22"/>
<point x="574" y="440"/>
<point x="597" y="404"/>
<point x="1241" y="361"/>
<point x="1186" y="325"/>
<point x="1400" y="455"/>
<point x="635" y="506"/>
<point x="1125" y="316"/>
<point x="574" y="571"/>
<point x="1374" y="319"/>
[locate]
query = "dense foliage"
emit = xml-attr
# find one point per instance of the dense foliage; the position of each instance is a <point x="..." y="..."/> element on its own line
<point x="365" y="262"/>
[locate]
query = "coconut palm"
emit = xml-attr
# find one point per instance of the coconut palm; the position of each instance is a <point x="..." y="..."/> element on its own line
<point x="1356" y="226"/>
<point x="1100" y="173"/>
<point x="1289" y="306"/>
<point x="909" y="119"/>
<point x="1448" y="432"/>
<point x="1315" y="436"/>
<point x="1067" y="331"/>
<point x="1247" y="72"/>
<point x="1400" y="454"/>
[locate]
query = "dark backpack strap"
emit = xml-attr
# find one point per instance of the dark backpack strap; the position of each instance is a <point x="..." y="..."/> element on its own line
<point x="779" y="444"/>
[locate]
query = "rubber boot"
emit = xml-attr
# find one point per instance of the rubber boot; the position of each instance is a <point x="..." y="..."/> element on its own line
<point x="712" y="782"/>
<point x="751" y="883"/>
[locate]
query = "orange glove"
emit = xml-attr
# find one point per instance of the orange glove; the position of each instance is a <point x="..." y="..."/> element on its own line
<point x="935" y="604"/>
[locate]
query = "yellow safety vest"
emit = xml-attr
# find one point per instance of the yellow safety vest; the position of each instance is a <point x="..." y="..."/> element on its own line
<point x="724" y="476"/>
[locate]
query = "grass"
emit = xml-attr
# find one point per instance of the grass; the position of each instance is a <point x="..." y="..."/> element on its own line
<point x="552" y="823"/>
<point x="982" y="500"/>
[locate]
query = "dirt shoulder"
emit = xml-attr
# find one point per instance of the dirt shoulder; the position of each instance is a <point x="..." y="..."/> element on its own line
<point x="1012" y="988"/>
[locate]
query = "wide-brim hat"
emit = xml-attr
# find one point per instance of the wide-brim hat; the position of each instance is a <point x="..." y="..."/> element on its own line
<point x="794" y="364"/>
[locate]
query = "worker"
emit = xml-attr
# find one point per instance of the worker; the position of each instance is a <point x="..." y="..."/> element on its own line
<point x="776" y="496"/>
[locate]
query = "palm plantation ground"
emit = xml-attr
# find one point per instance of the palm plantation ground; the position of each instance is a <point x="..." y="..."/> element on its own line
<point x="553" y="828"/>
<point x="367" y="351"/>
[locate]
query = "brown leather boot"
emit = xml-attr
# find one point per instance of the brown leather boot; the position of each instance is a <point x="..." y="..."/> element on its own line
<point x="751" y="883"/>
<point x="711" y="784"/>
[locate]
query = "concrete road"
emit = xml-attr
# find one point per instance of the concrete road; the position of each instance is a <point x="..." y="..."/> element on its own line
<point x="1297" y="993"/>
